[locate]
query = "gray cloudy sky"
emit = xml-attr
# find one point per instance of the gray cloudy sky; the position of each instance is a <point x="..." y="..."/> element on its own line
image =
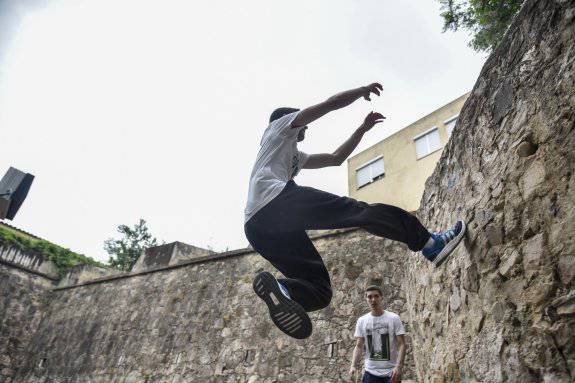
<point x="130" y="108"/>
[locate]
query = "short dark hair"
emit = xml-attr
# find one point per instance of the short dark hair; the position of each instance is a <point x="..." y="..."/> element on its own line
<point x="280" y="112"/>
<point x="374" y="288"/>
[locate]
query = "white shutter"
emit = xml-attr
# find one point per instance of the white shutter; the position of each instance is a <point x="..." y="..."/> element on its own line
<point x="433" y="140"/>
<point x="377" y="168"/>
<point x="363" y="176"/>
<point x="369" y="172"/>
<point x="428" y="142"/>
<point x="421" y="146"/>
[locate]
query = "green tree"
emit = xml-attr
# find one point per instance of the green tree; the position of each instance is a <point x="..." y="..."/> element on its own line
<point x="125" y="252"/>
<point x="486" y="19"/>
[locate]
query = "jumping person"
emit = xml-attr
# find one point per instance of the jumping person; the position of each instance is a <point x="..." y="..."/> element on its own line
<point x="385" y="346"/>
<point x="279" y="211"/>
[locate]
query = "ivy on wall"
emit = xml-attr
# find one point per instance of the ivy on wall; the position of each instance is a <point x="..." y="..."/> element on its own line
<point x="61" y="257"/>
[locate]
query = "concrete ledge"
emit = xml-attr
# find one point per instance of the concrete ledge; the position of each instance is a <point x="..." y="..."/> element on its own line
<point x="28" y="260"/>
<point x="209" y="258"/>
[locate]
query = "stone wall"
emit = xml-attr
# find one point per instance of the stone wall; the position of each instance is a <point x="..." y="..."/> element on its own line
<point x="503" y="308"/>
<point x="201" y="322"/>
<point x="168" y="254"/>
<point x="27" y="259"/>
<point x="21" y="307"/>
<point x="79" y="274"/>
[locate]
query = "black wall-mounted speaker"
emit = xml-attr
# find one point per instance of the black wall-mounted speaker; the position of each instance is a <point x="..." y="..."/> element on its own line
<point x="14" y="188"/>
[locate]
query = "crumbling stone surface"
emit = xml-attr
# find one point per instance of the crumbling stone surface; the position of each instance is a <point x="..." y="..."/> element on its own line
<point x="203" y="323"/>
<point x="21" y="307"/>
<point x="501" y="309"/>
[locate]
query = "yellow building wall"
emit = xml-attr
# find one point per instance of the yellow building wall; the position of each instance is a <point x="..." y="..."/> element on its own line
<point x="405" y="175"/>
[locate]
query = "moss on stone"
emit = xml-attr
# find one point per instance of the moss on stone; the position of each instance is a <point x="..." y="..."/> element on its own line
<point x="62" y="258"/>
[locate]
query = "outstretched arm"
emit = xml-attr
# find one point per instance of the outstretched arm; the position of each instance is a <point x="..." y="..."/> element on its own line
<point x="338" y="101"/>
<point x="322" y="160"/>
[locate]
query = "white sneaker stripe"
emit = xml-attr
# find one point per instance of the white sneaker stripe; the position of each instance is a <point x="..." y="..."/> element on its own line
<point x="292" y="321"/>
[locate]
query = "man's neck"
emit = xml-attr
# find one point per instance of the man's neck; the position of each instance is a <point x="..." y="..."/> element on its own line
<point x="377" y="312"/>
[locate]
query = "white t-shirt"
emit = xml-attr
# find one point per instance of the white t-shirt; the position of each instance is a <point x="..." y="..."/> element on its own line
<point x="380" y="341"/>
<point x="278" y="161"/>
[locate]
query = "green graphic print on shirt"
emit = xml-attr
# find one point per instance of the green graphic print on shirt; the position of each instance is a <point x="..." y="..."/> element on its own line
<point x="378" y="342"/>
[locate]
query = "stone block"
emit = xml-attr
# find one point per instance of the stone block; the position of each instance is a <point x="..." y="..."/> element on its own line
<point x="533" y="177"/>
<point x="514" y="289"/>
<point x="483" y="356"/>
<point x="7" y="373"/>
<point x="471" y="278"/>
<point x="566" y="268"/>
<point x="494" y="234"/>
<point x="437" y="377"/>
<point x="510" y="258"/>
<point x="84" y="273"/>
<point x="455" y="300"/>
<point x="477" y="320"/>
<point x="540" y="290"/>
<point x="533" y="253"/>
<point x="168" y="254"/>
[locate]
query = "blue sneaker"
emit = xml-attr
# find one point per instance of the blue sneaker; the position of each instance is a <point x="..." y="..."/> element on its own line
<point x="444" y="243"/>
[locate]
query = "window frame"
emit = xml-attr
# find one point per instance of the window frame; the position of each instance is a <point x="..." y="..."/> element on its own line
<point x="456" y="117"/>
<point x="366" y="164"/>
<point x="423" y="134"/>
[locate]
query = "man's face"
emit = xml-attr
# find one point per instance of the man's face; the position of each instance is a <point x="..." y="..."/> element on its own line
<point x="301" y="134"/>
<point x="373" y="298"/>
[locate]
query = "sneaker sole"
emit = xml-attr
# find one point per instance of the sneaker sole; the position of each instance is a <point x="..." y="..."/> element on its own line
<point x="448" y="249"/>
<point x="287" y="315"/>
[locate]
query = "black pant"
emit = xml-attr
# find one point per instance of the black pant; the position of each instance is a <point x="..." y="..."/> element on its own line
<point x="369" y="378"/>
<point x="277" y="232"/>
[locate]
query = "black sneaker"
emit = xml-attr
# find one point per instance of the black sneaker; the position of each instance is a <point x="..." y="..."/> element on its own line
<point x="286" y="314"/>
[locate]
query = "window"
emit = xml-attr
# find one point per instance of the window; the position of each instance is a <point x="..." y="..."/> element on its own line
<point x="427" y="143"/>
<point x="450" y="124"/>
<point x="370" y="172"/>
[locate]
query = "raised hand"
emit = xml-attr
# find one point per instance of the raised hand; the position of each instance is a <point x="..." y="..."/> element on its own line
<point x="374" y="88"/>
<point x="372" y="119"/>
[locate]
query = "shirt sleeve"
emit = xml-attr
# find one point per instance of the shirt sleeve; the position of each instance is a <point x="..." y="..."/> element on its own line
<point x="303" y="157"/>
<point x="398" y="326"/>
<point x="358" y="330"/>
<point x="282" y="126"/>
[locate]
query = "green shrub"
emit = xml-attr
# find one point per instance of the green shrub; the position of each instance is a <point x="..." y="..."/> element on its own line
<point x="62" y="258"/>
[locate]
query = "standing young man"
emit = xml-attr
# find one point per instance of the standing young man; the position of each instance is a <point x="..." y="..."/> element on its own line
<point x="381" y="334"/>
<point x="278" y="213"/>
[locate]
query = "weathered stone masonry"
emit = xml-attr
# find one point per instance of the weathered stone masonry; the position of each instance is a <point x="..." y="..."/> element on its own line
<point x="24" y="278"/>
<point x="201" y="322"/>
<point x="502" y="309"/>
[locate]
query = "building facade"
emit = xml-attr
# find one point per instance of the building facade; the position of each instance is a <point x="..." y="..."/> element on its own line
<point x="395" y="169"/>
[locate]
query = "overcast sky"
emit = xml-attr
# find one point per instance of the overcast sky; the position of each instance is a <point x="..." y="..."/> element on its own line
<point x="128" y="109"/>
